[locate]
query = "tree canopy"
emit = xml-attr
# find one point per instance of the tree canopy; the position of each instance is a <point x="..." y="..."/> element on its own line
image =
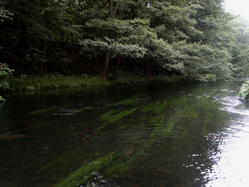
<point x="196" y="39"/>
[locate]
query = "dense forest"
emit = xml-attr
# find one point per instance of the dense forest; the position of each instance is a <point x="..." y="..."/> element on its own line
<point x="194" y="38"/>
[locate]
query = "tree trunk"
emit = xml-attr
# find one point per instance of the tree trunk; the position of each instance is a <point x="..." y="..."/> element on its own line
<point x="23" y="43"/>
<point x="107" y="57"/>
<point x="107" y="61"/>
<point x="117" y="65"/>
<point x="147" y="68"/>
<point x="43" y="60"/>
<point x="122" y="65"/>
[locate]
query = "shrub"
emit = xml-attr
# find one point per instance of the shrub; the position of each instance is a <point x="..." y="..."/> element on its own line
<point x="244" y="90"/>
<point x="5" y="74"/>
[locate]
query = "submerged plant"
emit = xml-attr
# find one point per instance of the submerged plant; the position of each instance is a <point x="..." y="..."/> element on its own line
<point x="166" y="131"/>
<point x="155" y="107"/>
<point x="44" y="110"/>
<point x="54" y="162"/>
<point x="114" y="115"/>
<point x="129" y="101"/>
<point x="83" y="174"/>
<point x="187" y="111"/>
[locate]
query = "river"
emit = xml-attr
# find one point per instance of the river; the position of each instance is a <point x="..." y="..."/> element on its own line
<point x="140" y="135"/>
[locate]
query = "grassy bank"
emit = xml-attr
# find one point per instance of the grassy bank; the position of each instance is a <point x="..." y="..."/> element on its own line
<point x="55" y="81"/>
<point x="25" y="83"/>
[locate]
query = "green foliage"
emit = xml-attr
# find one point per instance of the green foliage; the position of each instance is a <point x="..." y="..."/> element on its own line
<point x="113" y="35"/>
<point x="5" y="15"/>
<point x="202" y="62"/>
<point x="119" y="49"/>
<point x="5" y="71"/>
<point x="239" y="48"/>
<point x="170" y="78"/>
<point x="244" y="90"/>
<point x="195" y="39"/>
<point x="55" y="81"/>
<point x="1" y="99"/>
<point x="128" y="79"/>
<point x="5" y="74"/>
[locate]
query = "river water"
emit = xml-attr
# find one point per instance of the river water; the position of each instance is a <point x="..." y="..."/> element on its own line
<point x="154" y="134"/>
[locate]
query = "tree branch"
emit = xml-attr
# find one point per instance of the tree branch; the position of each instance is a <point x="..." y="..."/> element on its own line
<point x="115" y="10"/>
<point x="111" y="9"/>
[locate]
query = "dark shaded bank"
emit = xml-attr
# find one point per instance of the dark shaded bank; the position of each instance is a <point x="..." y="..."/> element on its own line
<point x="33" y="83"/>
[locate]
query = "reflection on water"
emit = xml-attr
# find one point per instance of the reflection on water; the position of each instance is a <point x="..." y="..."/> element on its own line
<point x="138" y="135"/>
<point x="232" y="168"/>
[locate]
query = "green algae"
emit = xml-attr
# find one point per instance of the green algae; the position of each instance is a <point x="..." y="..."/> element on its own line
<point x="54" y="162"/>
<point x="118" y="162"/>
<point x="86" y="172"/>
<point x="178" y="102"/>
<point x="129" y="101"/>
<point x="187" y="111"/>
<point x="155" y="107"/>
<point x="44" y="110"/>
<point x="166" y="131"/>
<point x="114" y="115"/>
<point x="85" y="108"/>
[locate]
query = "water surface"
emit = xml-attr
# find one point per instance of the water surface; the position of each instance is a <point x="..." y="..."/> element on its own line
<point x="156" y="134"/>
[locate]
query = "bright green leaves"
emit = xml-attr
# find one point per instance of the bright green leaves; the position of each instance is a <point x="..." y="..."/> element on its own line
<point x="119" y="26"/>
<point x="173" y="35"/>
<point x="201" y="62"/>
<point x="114" y="36"/>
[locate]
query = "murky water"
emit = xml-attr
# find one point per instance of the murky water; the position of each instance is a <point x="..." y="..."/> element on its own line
<point x="157" y="134"/>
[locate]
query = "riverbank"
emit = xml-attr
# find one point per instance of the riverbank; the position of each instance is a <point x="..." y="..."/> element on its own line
<point x="33" y="83"/>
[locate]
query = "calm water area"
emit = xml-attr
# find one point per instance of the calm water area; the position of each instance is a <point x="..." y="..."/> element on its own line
<point x="140" y="135"/>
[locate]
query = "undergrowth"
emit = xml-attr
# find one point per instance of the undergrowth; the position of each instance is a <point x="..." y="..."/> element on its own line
<point x="55" y="81"/>
<point x="32" y="83"/>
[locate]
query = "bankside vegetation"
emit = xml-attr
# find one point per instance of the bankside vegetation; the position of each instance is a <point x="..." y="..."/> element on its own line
<point x="110" y="38"/>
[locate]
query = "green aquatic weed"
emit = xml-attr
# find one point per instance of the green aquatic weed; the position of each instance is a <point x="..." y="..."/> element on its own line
<point x="155" y="107"/>
<point x="166" y="131"/>
<point x="129" y="101"/>
<point x="187" y="111"/>
<point x="83" y="174"/>
<point x="43" y="110"/>
<point x="114" y="115"/>
<point x="54" y="162"/>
